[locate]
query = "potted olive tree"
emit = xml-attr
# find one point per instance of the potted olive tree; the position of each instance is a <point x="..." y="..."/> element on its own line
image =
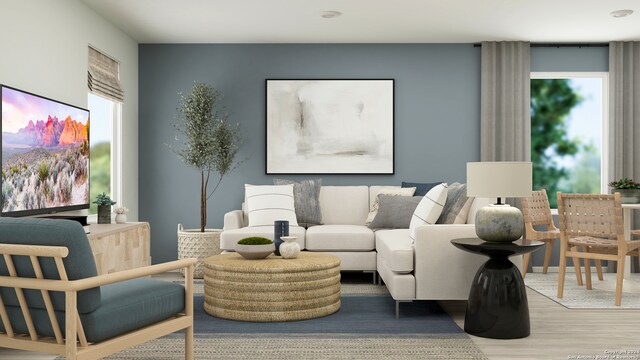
<point x="209" y="144"/>
<point x="629" y="190"/>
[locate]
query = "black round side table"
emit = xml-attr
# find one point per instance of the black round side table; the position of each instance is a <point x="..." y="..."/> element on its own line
<point x="497" y="306"/>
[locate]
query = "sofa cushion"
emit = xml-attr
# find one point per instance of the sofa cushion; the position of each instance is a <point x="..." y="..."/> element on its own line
<point x="421" y="188"/>
<point x="268" y="203"/>
<point x="395" y="248"/>
<point x="395" y="212"/>
<point x="306" y="197"/>
<point x="429" y="209"/>
<point x="229" y="238"/>
<point x="376" y="191"/>
<point x="79" y="264"/>
<point x="457" y="206"/>
<point x="339" y="238"/>
<point x="344" y="205"/>
<point x="126" y="306"/>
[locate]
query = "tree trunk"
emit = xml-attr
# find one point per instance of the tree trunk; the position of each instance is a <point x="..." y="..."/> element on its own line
<point x="203" y="203"/>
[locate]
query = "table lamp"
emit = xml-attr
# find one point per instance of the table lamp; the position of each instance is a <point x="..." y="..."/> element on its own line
<point x="499" y="222"/>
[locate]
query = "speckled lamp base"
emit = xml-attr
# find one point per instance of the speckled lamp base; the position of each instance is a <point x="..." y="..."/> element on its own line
<point x="499" y="223"/>
<point x="272" y="289"/>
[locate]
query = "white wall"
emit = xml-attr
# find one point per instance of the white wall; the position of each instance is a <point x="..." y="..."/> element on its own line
<point x="43" y="49"/>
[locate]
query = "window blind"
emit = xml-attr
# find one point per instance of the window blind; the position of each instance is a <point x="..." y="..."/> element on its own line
<point x="103" y="76"/>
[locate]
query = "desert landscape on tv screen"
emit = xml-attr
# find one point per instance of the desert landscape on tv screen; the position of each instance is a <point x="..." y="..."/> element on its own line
<point x="45" y="153"/>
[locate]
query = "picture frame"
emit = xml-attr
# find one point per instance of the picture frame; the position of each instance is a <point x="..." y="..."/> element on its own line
<point x="330" y="126"/>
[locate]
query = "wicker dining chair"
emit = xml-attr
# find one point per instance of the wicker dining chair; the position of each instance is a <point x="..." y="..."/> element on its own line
<point x="537" y="212"/>
<point x="593" y="224"/>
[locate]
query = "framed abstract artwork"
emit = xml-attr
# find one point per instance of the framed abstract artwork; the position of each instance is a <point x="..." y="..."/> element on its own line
<point x="332" y="126"/>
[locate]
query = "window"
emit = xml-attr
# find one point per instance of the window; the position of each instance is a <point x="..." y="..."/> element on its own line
<point x="104" y="156"/>
<point x="568" y="132"/>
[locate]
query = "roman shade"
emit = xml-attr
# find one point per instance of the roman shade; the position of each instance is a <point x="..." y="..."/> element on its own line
<point x="103" y="76"/>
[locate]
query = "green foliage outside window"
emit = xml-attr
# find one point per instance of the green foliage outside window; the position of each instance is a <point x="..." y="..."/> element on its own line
<point x="552" y="100"/>
<point x="100" y="172"/>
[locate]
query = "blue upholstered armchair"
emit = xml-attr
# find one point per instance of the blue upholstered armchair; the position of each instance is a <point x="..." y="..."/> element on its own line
<point x="52" y="299"/>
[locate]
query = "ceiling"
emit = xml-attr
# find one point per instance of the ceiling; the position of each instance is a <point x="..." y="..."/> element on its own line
<point x="370" y="21"/>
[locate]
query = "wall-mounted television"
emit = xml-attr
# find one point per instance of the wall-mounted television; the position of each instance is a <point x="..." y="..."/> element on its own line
<point x="45" y="155"/>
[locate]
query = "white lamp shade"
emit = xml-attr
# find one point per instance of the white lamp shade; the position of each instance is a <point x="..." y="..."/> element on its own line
<point x="499" y="179"/>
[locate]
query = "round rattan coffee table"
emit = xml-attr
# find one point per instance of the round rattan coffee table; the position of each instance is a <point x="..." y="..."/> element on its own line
<point x="272" y="289"/>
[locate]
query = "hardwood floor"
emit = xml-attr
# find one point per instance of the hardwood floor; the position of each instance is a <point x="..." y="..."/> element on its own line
<point x="556" y="333"/>
<point x="561" y="333"/>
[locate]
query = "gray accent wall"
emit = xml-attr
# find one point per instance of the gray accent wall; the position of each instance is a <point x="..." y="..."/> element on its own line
<point x="437" y="105"/>
<point x="437" y="121"/>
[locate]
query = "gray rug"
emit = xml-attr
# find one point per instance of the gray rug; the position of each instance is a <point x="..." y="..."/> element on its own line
<point x="578" y="297"/>
<point x="364" y="328"/>
<point x="307" y="347"/>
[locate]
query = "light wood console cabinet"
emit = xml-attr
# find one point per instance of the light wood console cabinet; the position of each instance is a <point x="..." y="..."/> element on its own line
<point x="118" y="247"/>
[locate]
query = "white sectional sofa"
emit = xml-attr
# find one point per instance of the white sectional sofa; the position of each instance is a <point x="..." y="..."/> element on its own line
<point x="430" y="269"/>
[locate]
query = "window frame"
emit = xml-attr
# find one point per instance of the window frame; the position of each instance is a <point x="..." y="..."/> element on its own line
<point x="116" y="152"/>
<point x="604" y="77"/>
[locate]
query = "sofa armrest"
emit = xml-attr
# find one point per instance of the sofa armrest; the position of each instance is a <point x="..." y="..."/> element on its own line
<point x="233" y="220"/>
<point x="442" y="271"/>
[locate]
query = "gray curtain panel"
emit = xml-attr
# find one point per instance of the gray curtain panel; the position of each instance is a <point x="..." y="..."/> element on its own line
<point x="624" y="114"/>
<point x="505" y="114"/>
<point x="505" y="103"/>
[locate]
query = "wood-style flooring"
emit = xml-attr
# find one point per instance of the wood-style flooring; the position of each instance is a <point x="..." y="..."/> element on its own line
<point x="556" y="333"/>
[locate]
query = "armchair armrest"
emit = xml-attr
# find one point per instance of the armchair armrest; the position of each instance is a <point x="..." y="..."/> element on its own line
<point x="88" y="283"/>
<point x="233" y="220"/>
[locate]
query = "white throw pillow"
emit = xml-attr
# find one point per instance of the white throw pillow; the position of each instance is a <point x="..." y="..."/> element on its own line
<point x="429" y="209"/>
<point x="268" y="203"/>
<point x="387" y="191"/>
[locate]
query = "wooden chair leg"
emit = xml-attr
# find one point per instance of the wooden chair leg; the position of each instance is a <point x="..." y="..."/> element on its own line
<point x="563" y="270"/>
<point x="71" y="331"/>
<point x="619" y="278"/>
<point x="525" y="263"/>
<point x="547" y="256"/>
<point x="188" y="332"/>
<point x="587" y="271"/>
<point x="599" y="268"/>
<point x="576" y="265"/>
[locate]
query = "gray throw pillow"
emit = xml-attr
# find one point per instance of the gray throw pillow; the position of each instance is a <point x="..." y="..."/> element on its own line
<point x="455" y="207"/>
<point x="395" y="212"/>
<point x="306" y="198"/>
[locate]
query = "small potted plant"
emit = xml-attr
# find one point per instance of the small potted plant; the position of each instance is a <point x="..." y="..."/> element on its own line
<point x="255" y="247"/>
<point x="629" y="190"/>
<point x="121" y="214"/>
<point x="104" y="203"/>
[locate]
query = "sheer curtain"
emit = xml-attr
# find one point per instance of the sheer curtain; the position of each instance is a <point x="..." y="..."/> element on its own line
<point x="624" y="114"/>
<point x="505" y="104"/>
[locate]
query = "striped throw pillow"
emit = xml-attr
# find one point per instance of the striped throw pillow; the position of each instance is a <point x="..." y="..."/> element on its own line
<point x="268" y="203"/>
<point x="429" y="209"/>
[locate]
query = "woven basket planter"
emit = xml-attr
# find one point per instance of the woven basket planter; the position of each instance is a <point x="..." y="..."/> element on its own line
<point x="195" y="244"/>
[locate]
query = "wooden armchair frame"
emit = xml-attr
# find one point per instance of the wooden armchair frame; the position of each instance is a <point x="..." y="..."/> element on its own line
<point x="79" y="348"/>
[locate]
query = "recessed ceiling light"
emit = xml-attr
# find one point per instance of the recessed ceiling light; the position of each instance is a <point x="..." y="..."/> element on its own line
<point x="621" y="13"/>
<point x="330" y="14"/>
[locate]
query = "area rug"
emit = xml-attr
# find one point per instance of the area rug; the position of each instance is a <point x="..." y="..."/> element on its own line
<point x="578" y="297"/>
<point x="365" y="328"/>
